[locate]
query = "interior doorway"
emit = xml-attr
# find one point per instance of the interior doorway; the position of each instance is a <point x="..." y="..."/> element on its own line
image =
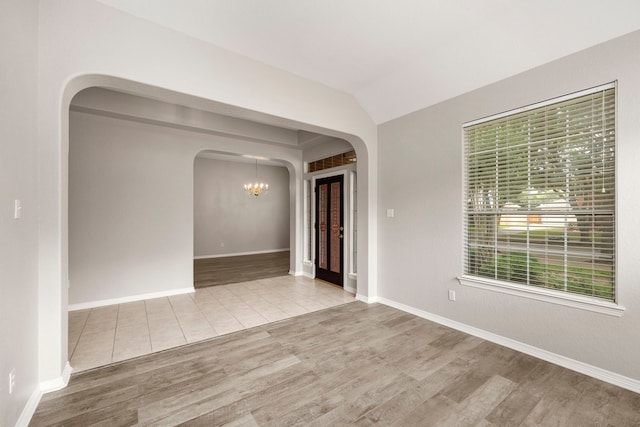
<point x="329" y="225"/>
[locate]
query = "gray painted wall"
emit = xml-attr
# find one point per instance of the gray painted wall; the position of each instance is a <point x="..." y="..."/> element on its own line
<point x="131" y="205"/>
<point x="73" y="38"/>
<point x="129" y="209"/>
<point x="420" y="249"/>
<point x="226" y="220"/>
<point x="19" y="241"/>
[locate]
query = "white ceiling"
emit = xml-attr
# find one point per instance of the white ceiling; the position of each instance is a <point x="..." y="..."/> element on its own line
<point x="397" y="56"/>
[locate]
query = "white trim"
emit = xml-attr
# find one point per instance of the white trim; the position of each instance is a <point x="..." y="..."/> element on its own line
<point x="309" y="275"/>
<point x="29" y="408"/>
<point x="57" y="383"/>
<point x="542" y="104"/>
<point x="546" y="295"/>
<point x="351" y="289"/>
<point x="269" y="251"/>
<point x="557" y="359"/>
<point x="132" y="298"/>
<point x="368" y="300"/>
<point x="44" y="387"/>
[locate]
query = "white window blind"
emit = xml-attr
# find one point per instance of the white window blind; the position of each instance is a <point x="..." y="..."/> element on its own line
<point x="540" y="195"/>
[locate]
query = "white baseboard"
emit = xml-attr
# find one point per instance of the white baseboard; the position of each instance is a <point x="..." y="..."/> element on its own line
<point x="30" y="408"/>
<point x="43" y="387"/>
<point x="132" y="298"/>
<point x="270" y="251"/>
<point x="58" y="383"/>
<point x="566" y="362"/>
<point x="350" y="289"/>
<point x="368" y="300"/>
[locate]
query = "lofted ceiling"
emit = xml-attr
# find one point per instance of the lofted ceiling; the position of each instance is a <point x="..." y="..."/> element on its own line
<point x="396" y="56"/>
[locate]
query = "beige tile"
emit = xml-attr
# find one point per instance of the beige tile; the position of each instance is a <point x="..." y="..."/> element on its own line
<point x="203" y="298"/>
<point x="311" y="305"/>
<point x="124" y="350"/>
<point x="291" y="308"/>
<point x="113" y="333"/>
<point x="159" y="325"/>
<point x="201" y="333"/>
<point x="132" y="333"/>
<point x="182" y="303"/>
<point x="93" y="349"/>
<point x="161" y="340"/>
<point x="218" y="316"/>
<point x="195" y="325"/>
<point x="252" y="321"/>
<point x="158" y="307"/>
<point x="101" y="319"/>
<point x="164" y="329"/>
<point x="81" y="362"/>
<point x="226" y="325"/>
<point x="211" y="304"/>
<point x="274" y="315"/>
<point x="212" y="312"/>
<point x="133" y="313"/>
<point x="77" y="320"/>
<point x="96" y="341"/>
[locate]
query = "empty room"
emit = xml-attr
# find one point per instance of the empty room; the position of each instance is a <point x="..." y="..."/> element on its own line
<point x="352" y="212"/>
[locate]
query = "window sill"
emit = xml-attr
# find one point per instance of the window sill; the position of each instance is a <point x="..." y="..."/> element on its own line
<point x="546" y="295"/>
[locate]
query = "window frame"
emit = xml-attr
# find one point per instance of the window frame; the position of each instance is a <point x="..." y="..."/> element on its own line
<point x="565" y="298"/>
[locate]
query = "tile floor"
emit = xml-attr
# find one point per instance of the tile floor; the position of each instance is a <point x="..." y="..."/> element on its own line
<point x="104" y="335"/>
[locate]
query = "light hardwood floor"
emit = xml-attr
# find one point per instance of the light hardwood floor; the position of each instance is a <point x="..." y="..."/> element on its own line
<point x="355" y="364"/>
<point x="243" y="268"/>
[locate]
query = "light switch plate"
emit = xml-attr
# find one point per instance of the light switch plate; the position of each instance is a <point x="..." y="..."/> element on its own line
<point x="17" y="209"/>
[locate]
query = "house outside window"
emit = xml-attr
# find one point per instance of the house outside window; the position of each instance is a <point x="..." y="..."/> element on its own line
<point x="539" y="196"/>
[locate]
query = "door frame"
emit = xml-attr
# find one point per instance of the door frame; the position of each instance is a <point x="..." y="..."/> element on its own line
<point x="337" y="278"/>
<point x="349" y="279"/>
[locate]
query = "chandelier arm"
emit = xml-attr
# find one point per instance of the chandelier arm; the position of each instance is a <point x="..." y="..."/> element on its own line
<point x="257" y="188"/>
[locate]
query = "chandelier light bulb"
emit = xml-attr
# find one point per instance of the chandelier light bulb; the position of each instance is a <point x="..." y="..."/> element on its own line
<point x="256" y="188"/>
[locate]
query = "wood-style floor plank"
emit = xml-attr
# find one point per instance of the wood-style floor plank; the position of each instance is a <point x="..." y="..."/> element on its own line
<point x="355" y="364"/>
<point x="242" y="268"/>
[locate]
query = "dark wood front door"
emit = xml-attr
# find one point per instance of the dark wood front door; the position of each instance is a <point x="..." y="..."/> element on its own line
<point x="330" y="229"/>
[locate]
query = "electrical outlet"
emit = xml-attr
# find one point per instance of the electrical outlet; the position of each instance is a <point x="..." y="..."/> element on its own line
<point x="452" y="295"/>
<point x="12" y="381"/>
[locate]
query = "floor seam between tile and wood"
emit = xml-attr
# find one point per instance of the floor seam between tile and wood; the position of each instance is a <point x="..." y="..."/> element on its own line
<point x="168" y="322"/>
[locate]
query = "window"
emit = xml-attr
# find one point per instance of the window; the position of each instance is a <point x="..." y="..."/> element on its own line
<point x="333" y="161"/>
<point x="540" y="196"/>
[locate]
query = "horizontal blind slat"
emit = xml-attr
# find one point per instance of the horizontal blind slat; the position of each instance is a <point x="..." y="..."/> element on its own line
<point x="554" y="166"/>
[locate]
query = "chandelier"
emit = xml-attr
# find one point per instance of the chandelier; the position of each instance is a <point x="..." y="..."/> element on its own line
<point x="257" y="188"/>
